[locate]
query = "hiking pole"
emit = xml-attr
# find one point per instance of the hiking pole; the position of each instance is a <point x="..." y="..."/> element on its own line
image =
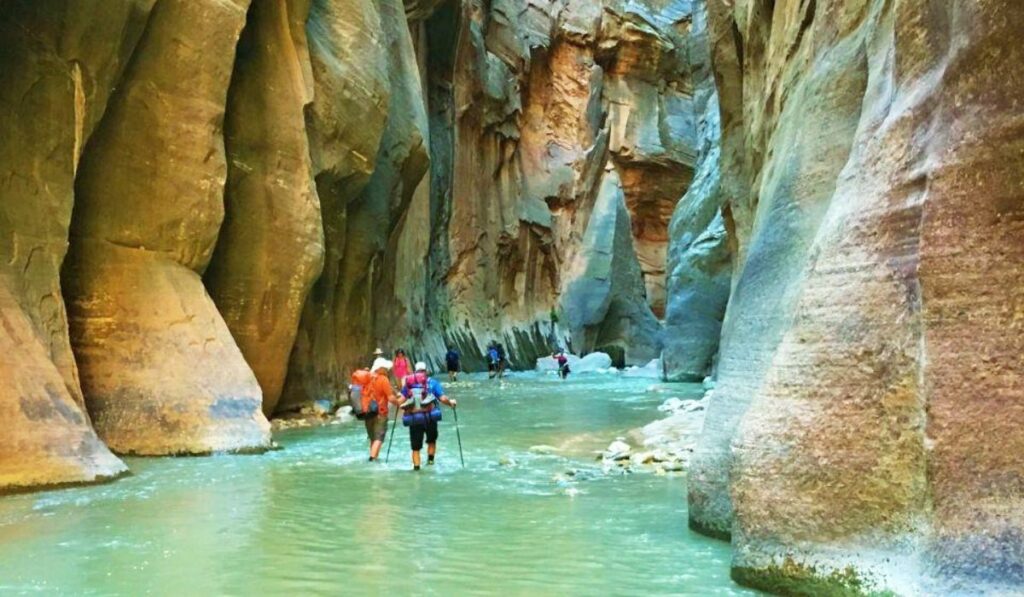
<point x="394" y="424"/>
<point x="455" y="411"/>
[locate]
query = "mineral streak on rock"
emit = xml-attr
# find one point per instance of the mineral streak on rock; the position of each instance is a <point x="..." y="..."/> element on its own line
<point x="270" y="249"/>
<point x="865" y="430"/>
<point x="159" y="368"/>
<point x="47" y="439"/>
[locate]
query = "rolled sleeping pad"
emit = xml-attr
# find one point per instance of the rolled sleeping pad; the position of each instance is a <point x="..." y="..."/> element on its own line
<point x="422" y="417"/>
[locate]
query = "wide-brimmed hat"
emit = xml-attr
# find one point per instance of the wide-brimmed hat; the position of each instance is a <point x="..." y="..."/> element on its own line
<point x="421" y="366"/>
<point x="381" y="364"/>
<point x="378" y="352"/>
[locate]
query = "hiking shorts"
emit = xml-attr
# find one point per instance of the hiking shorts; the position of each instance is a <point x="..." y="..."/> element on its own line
<point x="416" y="433"/>
<point x="453" y="367"/>
<point x="376" y="428"/>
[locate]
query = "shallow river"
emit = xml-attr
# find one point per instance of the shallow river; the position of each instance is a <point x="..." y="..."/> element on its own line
<point x="316" y="518"/>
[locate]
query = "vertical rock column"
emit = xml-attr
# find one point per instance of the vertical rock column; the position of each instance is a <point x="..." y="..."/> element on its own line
<point x="345" y="123"/>
<point x="604" y="303"/>
<point x="58" y="61"/>
<point x="270" y="249"/>
<point x="699" y="266"/>
<point x="159" y="368"/>
<point x="791" y="194"/>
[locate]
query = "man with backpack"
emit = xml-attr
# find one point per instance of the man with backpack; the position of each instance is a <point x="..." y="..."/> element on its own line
<point x="422" y="394"/>
<point x="452" y="359"/>
<point x="374" y="393"/>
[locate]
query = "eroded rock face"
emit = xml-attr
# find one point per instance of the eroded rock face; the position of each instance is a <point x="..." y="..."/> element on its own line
<point x="159" y="368"/>
<point x="699" y="260"/>
<point x="270" y="248"/>
<point x="370" y="154"/>
<point x="545" y="95"/>
<point x="47" y="438"/>
<point x="869" y="382"/>
<point x="600" y="301"/>
<point x="58" y="63"/>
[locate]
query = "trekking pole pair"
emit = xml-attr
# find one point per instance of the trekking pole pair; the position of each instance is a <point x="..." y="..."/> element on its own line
<point x="458" y="434"/>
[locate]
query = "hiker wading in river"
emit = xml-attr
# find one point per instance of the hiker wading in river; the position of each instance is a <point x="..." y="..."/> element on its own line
<point x="422" y="412"/>
<point x="377" y="393"/>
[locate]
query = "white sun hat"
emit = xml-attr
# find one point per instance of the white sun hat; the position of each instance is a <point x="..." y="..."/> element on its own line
<point x="381" y="364"/>
<point x="421" y="366"/>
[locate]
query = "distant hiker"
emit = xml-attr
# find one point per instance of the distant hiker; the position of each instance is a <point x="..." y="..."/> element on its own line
<point x="493" y="360"/>
<point x="452" y="359"/>
<point x="422" y="412"/>
<point x="501" y="360"/>
<point x="377" y="354"/>
<point x="376" y="395"/>
<point x="563" y="363"/>
<point x="401" y="367"/>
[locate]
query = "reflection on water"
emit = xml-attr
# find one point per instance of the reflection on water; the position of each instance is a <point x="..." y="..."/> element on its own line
<point x="316" y="517"/>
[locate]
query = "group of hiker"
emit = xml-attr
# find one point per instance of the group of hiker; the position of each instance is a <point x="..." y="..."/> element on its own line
<point x="416" y="396"/>
<point x="417" y="399"/>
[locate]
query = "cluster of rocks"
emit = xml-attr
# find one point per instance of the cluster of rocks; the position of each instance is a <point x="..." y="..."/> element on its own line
<point x="666" y="445"/>
<point x="319" y="413"/>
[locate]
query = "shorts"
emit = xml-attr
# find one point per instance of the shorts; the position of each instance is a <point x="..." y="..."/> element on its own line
<point x="453" y="367"/>
<point x="376" y="428"/>
<point x="416" y="433"/>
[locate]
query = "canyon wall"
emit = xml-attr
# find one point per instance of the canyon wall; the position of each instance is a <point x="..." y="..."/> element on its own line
<point x="213" y="210"/>
<point x="555" y="105"/>
<point x="865" y="430"/>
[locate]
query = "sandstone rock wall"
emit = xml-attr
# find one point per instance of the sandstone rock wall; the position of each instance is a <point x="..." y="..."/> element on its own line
<point x="270" y="248"/>
<point x="869" y="381"/>
<point x="699" y="262"/>
<point x="160" y="370"/>
<point x="545" y="96"/>
<point x="58" y="61"/>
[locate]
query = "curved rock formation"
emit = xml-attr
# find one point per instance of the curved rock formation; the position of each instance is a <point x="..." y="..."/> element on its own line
<point x="869" y="389"/>
<point x="60" y="60"/>
<point x="160" y="370"/>
<point x="699" y="261"/>
<point x="370" y="153"/>
<point x="270" y="248"/>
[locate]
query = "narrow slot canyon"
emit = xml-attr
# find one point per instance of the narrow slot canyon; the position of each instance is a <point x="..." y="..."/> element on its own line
<point x="735" y="291"/>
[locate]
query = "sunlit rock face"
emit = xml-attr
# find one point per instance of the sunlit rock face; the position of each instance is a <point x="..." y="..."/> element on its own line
<point x="159" y="368"/>
<point x="58" y="62"/>
<point x="270" y="248"/>
<point x="868" y="409"/>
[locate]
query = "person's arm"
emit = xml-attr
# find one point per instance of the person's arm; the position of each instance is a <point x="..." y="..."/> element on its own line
<point x="438" y="392"/>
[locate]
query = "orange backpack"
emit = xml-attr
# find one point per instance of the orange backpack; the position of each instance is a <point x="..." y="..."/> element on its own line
<point x="358" y="396"/>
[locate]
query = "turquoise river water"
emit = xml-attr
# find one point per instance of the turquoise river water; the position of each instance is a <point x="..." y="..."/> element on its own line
<point x="316" y="518"/>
